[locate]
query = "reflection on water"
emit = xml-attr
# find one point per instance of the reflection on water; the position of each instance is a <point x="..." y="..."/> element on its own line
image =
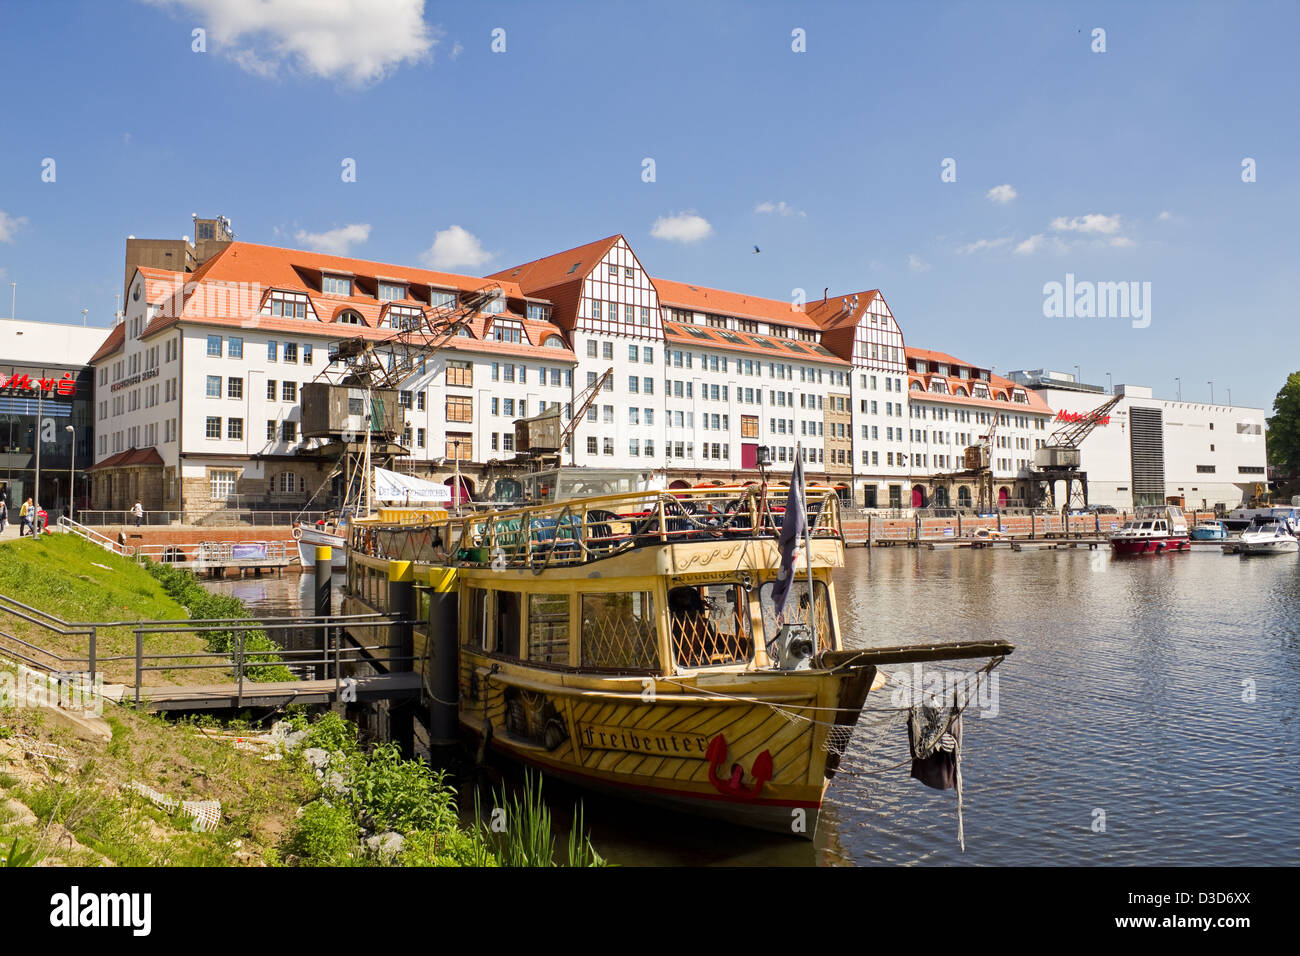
<point x="1122" y="704"/>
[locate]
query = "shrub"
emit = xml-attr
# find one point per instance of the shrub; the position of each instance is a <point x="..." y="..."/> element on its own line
<point x="327" y="835"/>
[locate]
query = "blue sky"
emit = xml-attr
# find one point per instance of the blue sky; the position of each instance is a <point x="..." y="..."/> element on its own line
<point x="1122" y="166"/>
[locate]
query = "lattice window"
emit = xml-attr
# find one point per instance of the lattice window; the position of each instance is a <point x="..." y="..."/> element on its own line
<point x="710" y="625"/>
<point x="796" y="609"/>
<point x="618" y="631"/>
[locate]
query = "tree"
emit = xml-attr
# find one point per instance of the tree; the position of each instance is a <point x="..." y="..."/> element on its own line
<point x="1283" y="436"/>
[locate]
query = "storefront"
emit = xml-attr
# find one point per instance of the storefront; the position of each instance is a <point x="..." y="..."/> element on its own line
<point x="46" y="415"/>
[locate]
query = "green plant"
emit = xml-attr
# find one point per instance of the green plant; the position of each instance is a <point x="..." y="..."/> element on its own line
<point x="327" y="835"/>
<point x="18" y="854"/>
<point x="391" y="793"/>
<point x="528" y="837"/>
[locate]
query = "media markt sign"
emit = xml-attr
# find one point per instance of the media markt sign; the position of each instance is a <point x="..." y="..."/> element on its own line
<point x="22" y="382"/>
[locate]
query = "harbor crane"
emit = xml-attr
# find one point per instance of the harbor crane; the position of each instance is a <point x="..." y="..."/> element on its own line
<point x="1060" y="459"/>
<point x="978" y="459"/>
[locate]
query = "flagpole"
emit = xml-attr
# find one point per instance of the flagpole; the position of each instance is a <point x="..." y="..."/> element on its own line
<point x="807" y="544"/>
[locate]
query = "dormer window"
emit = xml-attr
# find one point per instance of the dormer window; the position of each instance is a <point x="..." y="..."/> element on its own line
<point x="553" y="342"/>
<point x="442" y="300"/>
<point x="402" y="317"/>
<point x="920" y="366"/>
<point x="289" y="305"/>
<point x="981" y="390"/>
<point x="539" y="313"/>
<point x="939" y="386"/>
<point x="336" y="285"/>
<point x="507" y="330"/>
<point x="495" y="305"/>
<point x="391" y="291"/>
<point x="1020" y="397"/>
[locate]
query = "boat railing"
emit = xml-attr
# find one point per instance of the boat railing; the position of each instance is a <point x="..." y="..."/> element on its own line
<point x="583" y="530"/>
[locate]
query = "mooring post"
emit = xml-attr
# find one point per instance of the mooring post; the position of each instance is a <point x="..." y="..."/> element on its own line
<point x="139" y="662"/>
<point x="324" y="572"/>
<point x="443" y="665"/>
<point x="401" y="648"/>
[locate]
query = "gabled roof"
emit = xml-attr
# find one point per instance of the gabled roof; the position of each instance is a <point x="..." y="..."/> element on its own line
<point x="558" y="269"/>
<point x="132" y="456"/>
<point x="112" y="344"/>
<point x="996" y="384"/>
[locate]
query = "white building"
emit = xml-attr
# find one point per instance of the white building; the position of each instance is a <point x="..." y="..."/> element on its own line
<point x="1152" y="449"/>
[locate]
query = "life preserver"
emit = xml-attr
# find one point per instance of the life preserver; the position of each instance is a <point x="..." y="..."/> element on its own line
<point x="297" y="533"/>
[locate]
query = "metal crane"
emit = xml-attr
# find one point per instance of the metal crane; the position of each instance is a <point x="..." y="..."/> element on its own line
<point x="1059" y="459"/>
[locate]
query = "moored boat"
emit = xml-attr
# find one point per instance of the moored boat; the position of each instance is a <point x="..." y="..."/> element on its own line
<point x="1268" y="535"/>
<point x="1210" y="531"/>
<point x="645" y="644"/>
<point x="1153" y="530"/>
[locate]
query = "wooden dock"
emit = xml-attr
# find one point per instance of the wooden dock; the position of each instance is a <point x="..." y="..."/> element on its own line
<point x="401" y="685"/>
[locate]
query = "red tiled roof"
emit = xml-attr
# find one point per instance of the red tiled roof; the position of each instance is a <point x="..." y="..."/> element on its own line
<point x="785" y="350"/>
<point x="132" y="456"/>
<point x="559" y="277"/>
<point x="996" y="383"/>
<point x="700" y="298"/>
<point x="111" y="344"/>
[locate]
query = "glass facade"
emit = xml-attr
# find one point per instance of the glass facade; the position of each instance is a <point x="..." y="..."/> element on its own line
<point x="31" y="415"/>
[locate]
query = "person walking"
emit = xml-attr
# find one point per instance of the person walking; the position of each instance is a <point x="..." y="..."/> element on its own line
<point x="25" y="514"/>
<point x="4" y="515"/>
<point x="138" y="511"/>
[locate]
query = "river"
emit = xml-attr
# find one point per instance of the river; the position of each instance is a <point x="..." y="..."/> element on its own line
<point x="1148" y="716"/>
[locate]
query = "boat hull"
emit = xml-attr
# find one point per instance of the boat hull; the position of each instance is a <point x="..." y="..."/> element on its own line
<point x="742" y="749"/>
<point x="310" y="538"/>
<point x="1268" y="546"/>
<point x="1150" y="545"/>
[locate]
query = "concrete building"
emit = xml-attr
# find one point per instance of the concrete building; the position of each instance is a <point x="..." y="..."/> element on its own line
<point x="1152" y="449"/>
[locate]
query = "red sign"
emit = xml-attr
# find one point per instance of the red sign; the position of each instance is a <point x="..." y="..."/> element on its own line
<point x="59" y="386"/>
<point x="1064" y="416"/>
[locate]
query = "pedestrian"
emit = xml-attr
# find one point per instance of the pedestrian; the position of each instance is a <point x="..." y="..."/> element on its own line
<point x="4" y="515"/>
<point x="138" y="511"/>
<point x="42" y="519"/>
<point x="25" y="515"/>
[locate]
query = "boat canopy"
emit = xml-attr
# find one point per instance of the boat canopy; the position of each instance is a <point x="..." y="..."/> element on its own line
<point x="393" y="486"/>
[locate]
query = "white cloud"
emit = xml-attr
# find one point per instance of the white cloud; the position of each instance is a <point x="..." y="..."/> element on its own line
<point x="1122" y="242"/>
<point x="1001" y="194"/>
<point x="684" y="227"/>
<point x="1030" y="245"/>
<point x="980" y="245"/>
<point x="357" y="41"/>
<point x="781" y="208"/>
<point x="917" y="264"/>
<point x="457" y="50"/>
<point x="456" y="248"/>
<point x="10" y="225"/>
<point x="1165" y="216"/>
<point x="336" y="242"/>
<point x="1093" y="222"/>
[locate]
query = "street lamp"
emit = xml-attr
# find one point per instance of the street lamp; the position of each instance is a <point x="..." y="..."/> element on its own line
<point x="72" y="470"/>
<point x="1211" y="391"/>
<point x="1110" y="386"/>
<point x="1078" y="376"/>
<point x="455" y="444"/>
<point x="1180" y="387"/>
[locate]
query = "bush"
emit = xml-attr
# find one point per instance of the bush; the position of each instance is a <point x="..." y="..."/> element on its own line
<point x="391" y="793"/>
<point x="327" y="835"/>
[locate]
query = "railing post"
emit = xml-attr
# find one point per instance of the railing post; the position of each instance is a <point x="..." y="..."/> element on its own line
<point x="139" y="662"/>
<point x="91" y="661"/>
<point x="239" y="666"/>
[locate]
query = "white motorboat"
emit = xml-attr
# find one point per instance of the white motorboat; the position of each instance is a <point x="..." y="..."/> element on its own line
<point x="330" y="534"/>
<point x="1268" y="534"/>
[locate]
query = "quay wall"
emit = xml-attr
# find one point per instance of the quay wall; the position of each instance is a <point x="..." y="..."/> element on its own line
<point x="869" y="530"/>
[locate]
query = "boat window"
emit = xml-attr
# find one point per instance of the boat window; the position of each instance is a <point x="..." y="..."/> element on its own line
<point x="796" y="610"/>
<point x="477" y="632"/>
<point x="618" y="631"/>
<point x="508" y="623"/>
<point x="710" y="625"/>
<point x="548" y="628"/>
<point x="1146" y="526"/>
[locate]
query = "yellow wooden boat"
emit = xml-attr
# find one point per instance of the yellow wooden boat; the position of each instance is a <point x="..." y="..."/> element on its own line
<point x="629" y="643"/>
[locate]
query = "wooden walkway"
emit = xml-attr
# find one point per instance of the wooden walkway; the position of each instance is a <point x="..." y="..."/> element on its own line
<point x="405" y="684"/>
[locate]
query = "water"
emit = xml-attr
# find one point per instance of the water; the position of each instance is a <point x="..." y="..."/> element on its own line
<point x="1124" y="697"/>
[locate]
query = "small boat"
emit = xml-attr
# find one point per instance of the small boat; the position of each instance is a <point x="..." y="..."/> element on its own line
<point x="1153" y="530"/>
<point x="330" y="533"/>
<point x="1210" y="531"/>
<point x="644" y="644"/>
<point x="1268" y="535"/>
